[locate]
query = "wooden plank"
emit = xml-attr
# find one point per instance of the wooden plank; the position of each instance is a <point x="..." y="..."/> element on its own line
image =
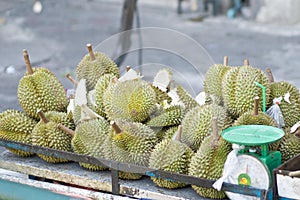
<point x="73" y="174"/>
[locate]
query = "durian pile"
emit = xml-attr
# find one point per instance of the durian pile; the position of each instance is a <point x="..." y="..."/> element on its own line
<point x="157" y="125"/>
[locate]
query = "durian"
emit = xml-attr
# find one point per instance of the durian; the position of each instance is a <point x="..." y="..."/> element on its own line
<point x="161" y="96"/>
<point x="93" y="66"/>
<point x="213" y="82"/>
<point x="100" y="88"/>
<point x="171" y="155"/>
<point x="208" y="163"/>
<point x="188" y="101"/>
<point x="239" y="89"/>
<point x="130" y="142"/>
<point x="40" y="89"/>
<point x="16" y="126"/>
<point x="255" y="117"/>
<point x="47" y="134"/>
<point x="289" y="145"/>
<point x="171" y="116"/>
<point x="88" y="138"/>
<point x="133" y="100"/>
<point x="197" y="123"/>
<point x="290" y="106"/>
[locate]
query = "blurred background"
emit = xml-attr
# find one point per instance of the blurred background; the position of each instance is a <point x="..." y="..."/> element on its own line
<point x="55" y="33"/>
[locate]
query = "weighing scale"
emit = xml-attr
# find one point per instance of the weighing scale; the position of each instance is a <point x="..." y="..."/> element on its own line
<point x="255" y="162"/>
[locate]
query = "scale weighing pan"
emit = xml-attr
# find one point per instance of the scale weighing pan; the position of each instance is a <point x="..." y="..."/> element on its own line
<point x="252" y="135"/>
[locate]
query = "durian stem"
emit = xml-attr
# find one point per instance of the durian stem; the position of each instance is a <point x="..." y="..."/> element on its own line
<point x="115" y="127"/>
<point x="42" y="116"/>
<point x="215" y="131"/>
<point x="270" y="75"/>
<point x="225" y="61"/>
<point x="179" y="131"/>
<point x="128" y="68"/>
<point x="90" y="49"/>
<point x="114" y="80"/>
<point x="66" y="129"/>
<point x="68" y="76"/>
<point x="246" y="62"/>
<point x="256" y="100"/>
<point x="27" y="62"/>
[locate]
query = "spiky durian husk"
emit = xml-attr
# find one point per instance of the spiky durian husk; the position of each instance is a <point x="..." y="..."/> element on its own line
<point x="49" y="136"/>
<point x="91" y="100"/>
<point x="16" y="126"/>
<point x="188" y="101"/>
<point x="133" y="145"/>
<point x="164" y="132"/>
<point x="169" y="117"/>
<point x="197" y="123"/>
<point x="77" y="115"/>
<point x="239" y="89"/>
<point x="92" y="70"/>
<point x="61" y="117"/>
<point x="41" y="69"/>
<point x="100" y="88"/>
<point x="161" y="96"/>
<point x="208" y="163"/>
<point x="133" y="100"/>
<point x="88" y="139"/>
<point x="289" y="146"/>
<point x="213" y="82"/>
<point x="41" y="90"/>
<point x="172" y="156"/>
<point x="290" y="112"/>
<point x="249" y="118"/>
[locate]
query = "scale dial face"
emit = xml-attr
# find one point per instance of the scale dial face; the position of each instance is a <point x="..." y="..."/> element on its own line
<point x="248" y="171"/>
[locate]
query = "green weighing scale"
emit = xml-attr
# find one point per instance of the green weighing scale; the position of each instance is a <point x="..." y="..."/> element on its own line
<point x="255" y="162"/>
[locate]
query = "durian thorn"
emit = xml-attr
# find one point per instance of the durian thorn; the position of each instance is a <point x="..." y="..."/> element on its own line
<point x="256" y="100"/>
<point x="128" y="68"/>
<point x="270" y="75"/>
<point x="215" y="134"/>
<point x="42" y="116"/>
<point x="246" y="62"/>
<point x="179" y="132"/>
<point x="68" y="76"/>
<point x="27" y="62"/>
<point x="225" y="61"/>
<point x="66" y="129"/>
<point x="90" y="50"/>
<point x="115" y="127"/>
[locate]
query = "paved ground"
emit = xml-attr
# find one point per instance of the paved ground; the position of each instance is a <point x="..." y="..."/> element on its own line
<point x="56" y="38"/>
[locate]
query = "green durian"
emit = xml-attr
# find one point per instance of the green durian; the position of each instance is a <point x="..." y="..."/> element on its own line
<point x="239" y="89"/>
<point x="130" y="142"/>
<point x="290" y="110"/>
<point x="197" y="123"/>
<point x="188" y="101"/>
<point x="166" y="132"/>
<point x="46" y="134"/>
<point x="16" y="126"/>
<point x="170" y="116"/>
<point x="213" y="81"/>
<point x="93" y="66"/>
<point x="40" y="89"/>
<point x="88" y="138"/>
<point x="289" y="145"/>
<point x="255" y="117"/>
<point x="133" y="100"/>
<point x="173" y="156"/>
<point x="100" y="88"/>
<point x="161" y="96"/>
<point x="208" y="163"/>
